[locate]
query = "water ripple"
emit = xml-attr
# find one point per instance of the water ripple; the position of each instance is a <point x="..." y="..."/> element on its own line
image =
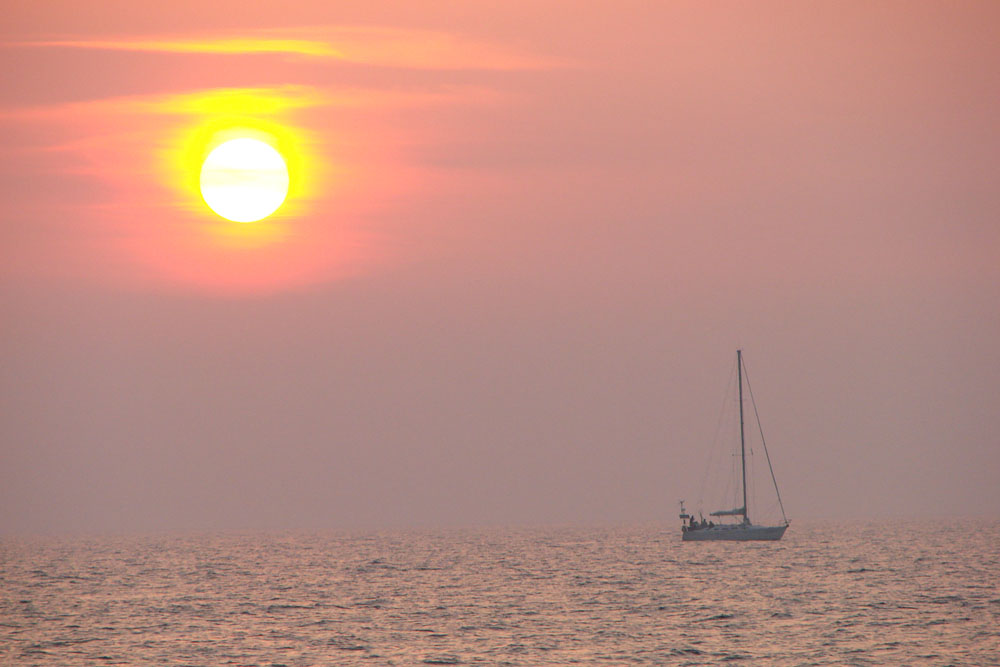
<point x="830" y="594"/>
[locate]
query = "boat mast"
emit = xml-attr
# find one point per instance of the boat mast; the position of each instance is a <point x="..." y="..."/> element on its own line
<point x="743" y="446"/>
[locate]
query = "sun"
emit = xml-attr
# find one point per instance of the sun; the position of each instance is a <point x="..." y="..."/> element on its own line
<point x="244" y="180"/>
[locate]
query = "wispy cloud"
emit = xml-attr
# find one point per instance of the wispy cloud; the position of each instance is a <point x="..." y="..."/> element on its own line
<point x="248" y="102"/>
<point x="368" y="45"/>
<point x="221" y="46"/>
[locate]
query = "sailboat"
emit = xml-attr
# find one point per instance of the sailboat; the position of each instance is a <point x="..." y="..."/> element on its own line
<point x="743" y="530"/>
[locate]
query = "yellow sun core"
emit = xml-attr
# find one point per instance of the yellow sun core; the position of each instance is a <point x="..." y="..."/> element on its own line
<point x="244" y="180"/>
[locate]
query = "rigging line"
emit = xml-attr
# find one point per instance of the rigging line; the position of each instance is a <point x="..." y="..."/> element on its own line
<point x="764" y="442"/>
<point x="716" y="440"/>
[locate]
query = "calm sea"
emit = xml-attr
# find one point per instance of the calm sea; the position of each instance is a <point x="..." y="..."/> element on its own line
<point x="828" y="594"/>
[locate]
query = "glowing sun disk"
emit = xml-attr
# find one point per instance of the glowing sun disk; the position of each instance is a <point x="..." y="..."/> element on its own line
<point x="244" y="180"/>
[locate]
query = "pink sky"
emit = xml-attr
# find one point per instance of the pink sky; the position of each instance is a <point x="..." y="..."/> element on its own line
<point x="525" y="244"/>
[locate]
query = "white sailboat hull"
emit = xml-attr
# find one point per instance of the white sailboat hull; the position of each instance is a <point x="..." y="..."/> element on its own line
<point x="734" y="533"/>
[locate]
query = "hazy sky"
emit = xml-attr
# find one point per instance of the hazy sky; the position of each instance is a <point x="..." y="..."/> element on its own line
<point x="521" y="248"/>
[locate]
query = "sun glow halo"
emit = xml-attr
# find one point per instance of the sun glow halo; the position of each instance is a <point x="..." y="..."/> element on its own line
<point x="244" y="180"/>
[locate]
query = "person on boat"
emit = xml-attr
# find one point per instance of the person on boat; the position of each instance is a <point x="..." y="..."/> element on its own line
<point x="692" y="525"/>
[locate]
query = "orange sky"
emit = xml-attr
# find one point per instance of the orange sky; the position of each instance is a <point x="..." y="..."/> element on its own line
<point x="783" y="110"/>
<point x="500" y="215"/>
<point x="345" y="143"/>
